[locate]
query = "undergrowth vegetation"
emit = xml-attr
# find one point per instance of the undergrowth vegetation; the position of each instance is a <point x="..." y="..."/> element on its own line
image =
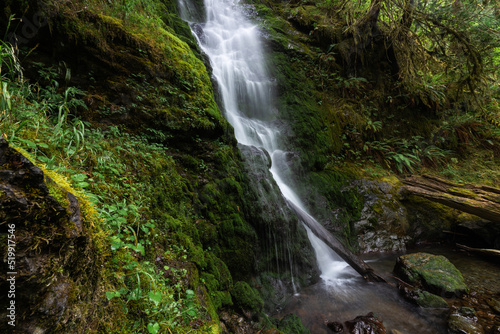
<point x="166" y="198"/>
<point x="109" y="168"/>
<point x="400" y="85"/>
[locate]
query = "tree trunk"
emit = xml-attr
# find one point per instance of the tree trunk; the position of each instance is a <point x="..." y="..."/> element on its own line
<point x="354" y="261"/>
<point x="489" y="253"/>
<point x="480" y="200"/>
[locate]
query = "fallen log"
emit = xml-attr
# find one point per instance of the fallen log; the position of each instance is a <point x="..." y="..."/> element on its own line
<point x="490" y="253"/>
<point x="354" y="261"/>
<point x="480" y="200"/>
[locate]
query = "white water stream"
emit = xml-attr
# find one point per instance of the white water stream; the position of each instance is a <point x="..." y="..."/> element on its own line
<point x="232" y="44"/>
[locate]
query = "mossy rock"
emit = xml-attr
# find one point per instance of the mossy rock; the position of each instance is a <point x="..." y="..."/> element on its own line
<point x="422" y="298"/>
<point x="56" y="260"/>
<point x="291" y="324"/>
<point x="426" y="299"/>
<point x="246" y="298"/>
<point x="434" y="273"/>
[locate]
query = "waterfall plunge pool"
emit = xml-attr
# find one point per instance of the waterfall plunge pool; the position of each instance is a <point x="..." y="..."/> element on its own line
<point x="349" y="295"/>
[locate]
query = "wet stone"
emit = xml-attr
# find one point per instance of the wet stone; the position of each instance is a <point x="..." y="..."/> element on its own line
<point x="464" y="321"/>
<point x="336" y="327"/>
<point x="494" y="304"/>
<point x="365" y="324"/>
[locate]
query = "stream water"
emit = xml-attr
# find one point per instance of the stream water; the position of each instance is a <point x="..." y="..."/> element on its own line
<point x="232" y="44"/>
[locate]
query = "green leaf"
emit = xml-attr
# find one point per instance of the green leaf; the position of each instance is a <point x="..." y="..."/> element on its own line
<point x="155" y="297"/>
<point x="79" y="177"/>
<point x="135" y="294"/>
<point x="112" y="294"/>
<point x="153" y="328"/>
<point x="29" y="143"/>
<point x="140" y="248"/>
<point x="116" y="243"/>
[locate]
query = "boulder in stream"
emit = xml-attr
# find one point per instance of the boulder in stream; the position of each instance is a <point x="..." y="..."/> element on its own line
<point x="422" y="298"/>
<point x="366" y="324"/>
<point x="464" y="321"/>
<point x="336" y="327"/>
<point x="434" y="273"/>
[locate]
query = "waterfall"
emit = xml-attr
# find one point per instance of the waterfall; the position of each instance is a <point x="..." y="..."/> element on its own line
<point x="236" y="55"/>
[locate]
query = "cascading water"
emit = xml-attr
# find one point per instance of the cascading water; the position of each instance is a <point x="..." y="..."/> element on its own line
<point x="235" y="52"/>
<point x="232" y="44"/>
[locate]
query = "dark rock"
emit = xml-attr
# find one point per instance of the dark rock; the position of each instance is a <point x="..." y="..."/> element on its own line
<point x="464" y="321"/>
<point x="433" y="273"/>
<point x="54" y="259"/>
<point x="365" y="324"/>
<point x="383" y="224"/>
<point x="336" y="327"/>
<point x="479" y="232"/>
<point x="272" y="216"/>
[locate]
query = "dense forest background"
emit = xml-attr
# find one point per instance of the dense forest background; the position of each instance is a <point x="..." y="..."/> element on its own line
<point x="146" y="219"/>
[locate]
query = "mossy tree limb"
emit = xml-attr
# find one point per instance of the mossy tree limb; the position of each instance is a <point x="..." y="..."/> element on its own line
<point x="480" y="200"/>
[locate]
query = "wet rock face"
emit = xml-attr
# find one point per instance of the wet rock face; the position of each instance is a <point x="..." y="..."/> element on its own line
<point x="273" y="220"/>
<point x="51" y="251"/>
<point x="464" y="321"/>
<point x="365" y="324"/>
<point x="433" y="273"/>
<point x="383" y="223"/>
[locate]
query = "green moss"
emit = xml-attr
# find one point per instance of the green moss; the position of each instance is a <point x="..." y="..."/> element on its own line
<point x="247" y="298"/>
<point x="291" y="324"/>
<point x="436" y="273"/>
<point x="428" y="300"/>
<point x="196" y="254"/>
<point x="462" y="192"/>
<point x="59" y="194"/>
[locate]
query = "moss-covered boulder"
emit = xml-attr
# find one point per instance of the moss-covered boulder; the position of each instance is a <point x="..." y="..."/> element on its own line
<point x="430" y="300"/>
<point x="52" y="268"/>
<point x="246" y="298"/>
<point x="291" y="324"/>
<point x="422" y="298"/>
<point x="434" y="273"/>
